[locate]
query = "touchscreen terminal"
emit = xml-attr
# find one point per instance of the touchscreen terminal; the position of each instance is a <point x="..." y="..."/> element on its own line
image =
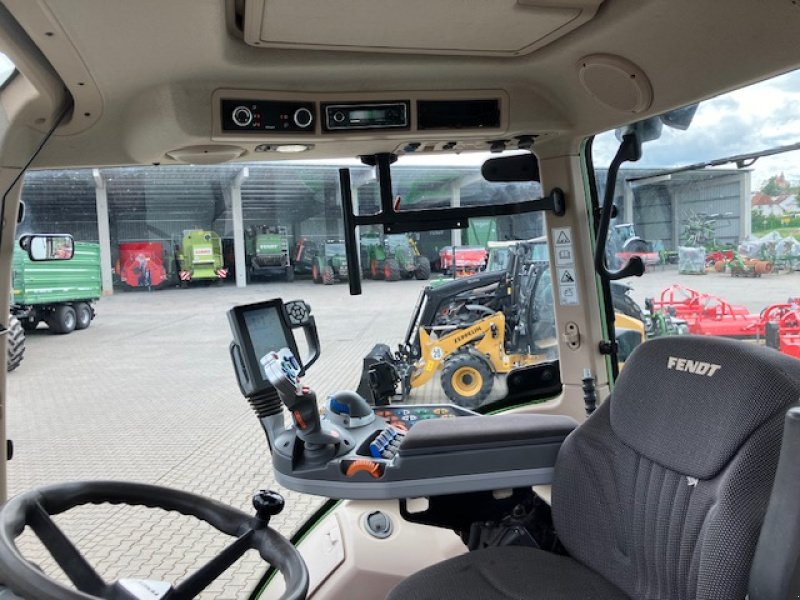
<point x="257" y="330"/>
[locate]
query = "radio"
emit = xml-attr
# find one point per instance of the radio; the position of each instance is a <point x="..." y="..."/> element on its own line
<point x="384" y="115"/>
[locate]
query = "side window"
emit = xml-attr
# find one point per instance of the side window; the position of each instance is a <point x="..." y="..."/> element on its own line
<point x="715" y="218"/>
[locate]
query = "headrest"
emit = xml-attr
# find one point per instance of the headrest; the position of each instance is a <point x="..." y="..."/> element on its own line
<point x="689" y="402"/>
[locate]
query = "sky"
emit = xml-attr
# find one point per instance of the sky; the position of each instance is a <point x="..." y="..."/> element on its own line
<point x="758" y="117"/>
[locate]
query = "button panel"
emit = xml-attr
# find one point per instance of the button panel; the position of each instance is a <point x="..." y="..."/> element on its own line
<point x="267" y="115"/>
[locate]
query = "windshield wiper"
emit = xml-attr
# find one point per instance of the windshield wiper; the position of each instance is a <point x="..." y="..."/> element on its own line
<point x="741" y="160"/>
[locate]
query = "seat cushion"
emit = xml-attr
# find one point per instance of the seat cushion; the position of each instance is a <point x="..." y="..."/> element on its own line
<point x="506" y="573"/>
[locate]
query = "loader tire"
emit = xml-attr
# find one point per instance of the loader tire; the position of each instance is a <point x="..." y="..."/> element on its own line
<point x="423" y="267"/>
<point x="467" y="380"/>
<point x="328" y="276"/>
<point x="391" y="270"/>
<point x="16" y="344"/>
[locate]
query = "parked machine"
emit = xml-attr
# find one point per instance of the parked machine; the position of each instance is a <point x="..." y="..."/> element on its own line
<point x="267" y="251"/>
<point x="199" y="257"/>
<point x="475" y="328"/>
<point x="329" y="263"/>
<point x="142" y="264"/>
<point x="462" y="261"/>
<point x="60" y="294"/>
<point x="393" y="257"/>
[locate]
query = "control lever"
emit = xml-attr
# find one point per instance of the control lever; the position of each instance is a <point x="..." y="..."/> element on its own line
<point x="283" y="371"/>
<point x="349" y="410"/>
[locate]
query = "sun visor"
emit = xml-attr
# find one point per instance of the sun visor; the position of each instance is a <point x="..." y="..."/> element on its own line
<point x="450" y="27"/>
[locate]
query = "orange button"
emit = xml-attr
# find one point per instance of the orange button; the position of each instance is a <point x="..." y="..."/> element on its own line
<point x="298" y="418"/>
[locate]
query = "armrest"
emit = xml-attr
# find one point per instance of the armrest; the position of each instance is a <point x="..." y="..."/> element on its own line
<point x="474" y="433"/>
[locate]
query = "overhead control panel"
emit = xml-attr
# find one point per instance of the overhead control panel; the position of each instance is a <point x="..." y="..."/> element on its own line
<point x="241" y="114"/>
<point x="264" y="116"/>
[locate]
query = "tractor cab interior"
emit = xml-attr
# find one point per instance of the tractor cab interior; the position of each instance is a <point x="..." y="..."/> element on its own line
<point x="538" y="429"/>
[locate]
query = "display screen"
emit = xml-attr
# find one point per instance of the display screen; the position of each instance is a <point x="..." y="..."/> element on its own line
<point x="258" y="329"/>
<point x="372" y="115"/>
<point x="266" y="331"/>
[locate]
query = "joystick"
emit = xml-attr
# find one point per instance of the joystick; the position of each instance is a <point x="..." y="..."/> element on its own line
<point x="283" y="372"/>
<point x="349" y="410"/>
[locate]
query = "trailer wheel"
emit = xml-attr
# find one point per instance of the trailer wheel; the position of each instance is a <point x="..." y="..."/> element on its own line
<point x="391" y="270"/>
<point x="16" y="343"/>
<point x="328" y="276"/>
<point x="467" y="380"/>
<point x="63" y="319"/>
<point x="423" y="267"/>
<point x="83" y="315"/>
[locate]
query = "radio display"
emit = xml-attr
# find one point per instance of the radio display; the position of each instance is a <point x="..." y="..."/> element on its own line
<point x="366" y="116"/>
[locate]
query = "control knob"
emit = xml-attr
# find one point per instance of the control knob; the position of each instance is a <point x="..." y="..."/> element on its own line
<point x="303" y="117"/>
<point x="242" y="116"/>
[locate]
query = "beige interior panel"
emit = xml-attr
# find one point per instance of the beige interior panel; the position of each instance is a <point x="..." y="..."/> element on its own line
<point x="363" y="574"/>
<point x="474" y="27"/>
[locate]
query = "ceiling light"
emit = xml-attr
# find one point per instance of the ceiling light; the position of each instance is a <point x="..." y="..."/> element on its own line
<point x="283" y="147"/>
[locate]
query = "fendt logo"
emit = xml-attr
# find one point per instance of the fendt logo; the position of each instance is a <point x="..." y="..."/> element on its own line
<point x="692" y="366"/>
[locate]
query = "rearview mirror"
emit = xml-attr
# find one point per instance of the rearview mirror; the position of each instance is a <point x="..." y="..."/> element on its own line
<point x="42" y="247"/>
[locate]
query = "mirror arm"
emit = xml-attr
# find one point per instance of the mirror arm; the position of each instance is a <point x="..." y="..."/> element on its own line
<point x="350" y="242"/>
<point x="629" y="150"/>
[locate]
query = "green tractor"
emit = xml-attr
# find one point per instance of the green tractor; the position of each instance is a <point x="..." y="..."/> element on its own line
<point x="267" y="250"/>
<point x="393" y="257"/>
<point x="199" y="257"/>
<point x="330" y="264"/>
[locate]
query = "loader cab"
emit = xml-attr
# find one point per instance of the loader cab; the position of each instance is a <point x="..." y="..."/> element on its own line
<point x="493" y="434"/>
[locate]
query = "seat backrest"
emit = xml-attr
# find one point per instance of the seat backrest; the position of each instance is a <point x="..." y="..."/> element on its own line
<point x="663" y="490"/>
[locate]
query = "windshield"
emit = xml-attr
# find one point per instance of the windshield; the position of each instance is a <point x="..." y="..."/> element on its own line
<point x="127" y="370"/>
<point x="719" y="237"/>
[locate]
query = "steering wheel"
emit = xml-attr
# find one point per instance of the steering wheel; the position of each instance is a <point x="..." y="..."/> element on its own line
<point x="35" y="507"/>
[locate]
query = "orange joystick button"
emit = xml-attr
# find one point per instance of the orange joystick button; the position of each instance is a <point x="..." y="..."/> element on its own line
<point x="373" y="468"/>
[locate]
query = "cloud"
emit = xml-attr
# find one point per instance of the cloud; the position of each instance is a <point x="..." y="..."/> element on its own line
<point x="759" y="117"/>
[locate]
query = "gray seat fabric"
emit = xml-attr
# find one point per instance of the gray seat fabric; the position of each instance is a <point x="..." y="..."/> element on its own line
<point x="510" y="573"/>
<point x="662" y="492"/>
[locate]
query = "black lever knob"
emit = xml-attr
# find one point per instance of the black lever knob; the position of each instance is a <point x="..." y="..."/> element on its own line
<point x="267" y="504"/>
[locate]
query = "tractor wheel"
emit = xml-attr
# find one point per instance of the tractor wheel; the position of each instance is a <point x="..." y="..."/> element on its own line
<point x="16" y="343"/>
<point x="315" y="274"/>
<point x="328" y="276"/>
<point x="376" y="269"/>
<point x="391" y="270"/>
<point x="83" y="314"/>
<point x="290" y="274"/>
<point x="467" y="380"/>
<point x="423" y="267"/>
<point x="63" y="319"/>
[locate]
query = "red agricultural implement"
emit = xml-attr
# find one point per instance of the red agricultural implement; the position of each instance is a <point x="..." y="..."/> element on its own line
<point x="141" y="264"/>
<point x="706" y="314"/>
<point x="649" y="259"/>
<point x="462" y="260"/>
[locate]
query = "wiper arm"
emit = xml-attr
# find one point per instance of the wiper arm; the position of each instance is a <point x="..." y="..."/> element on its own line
<point x="741" y="161"/>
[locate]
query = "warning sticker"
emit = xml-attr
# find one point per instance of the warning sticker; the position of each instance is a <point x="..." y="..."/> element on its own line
<point x="566" y="275"/>
<point x="565" y="266"/>
<point x="562" y="236"/>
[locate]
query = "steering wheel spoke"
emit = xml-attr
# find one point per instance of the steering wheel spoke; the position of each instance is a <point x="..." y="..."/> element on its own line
<point x="202" y="578"/>
<point x="68" y="557"/>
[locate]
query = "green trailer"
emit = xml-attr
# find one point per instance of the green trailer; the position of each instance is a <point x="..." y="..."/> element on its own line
<point x="199" y="257"/>
<point x="60" y="294"/>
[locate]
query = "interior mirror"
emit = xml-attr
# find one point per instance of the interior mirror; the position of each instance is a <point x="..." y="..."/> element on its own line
<point x="649" y="129"/>
<point x="49" y="246"/>
<point x="517" y="167"/>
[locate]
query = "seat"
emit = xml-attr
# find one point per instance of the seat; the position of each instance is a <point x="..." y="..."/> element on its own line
<point x="660" y="494"/>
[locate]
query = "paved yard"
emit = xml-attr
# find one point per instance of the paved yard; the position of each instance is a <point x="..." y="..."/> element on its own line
<point x="148" y="394"/>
